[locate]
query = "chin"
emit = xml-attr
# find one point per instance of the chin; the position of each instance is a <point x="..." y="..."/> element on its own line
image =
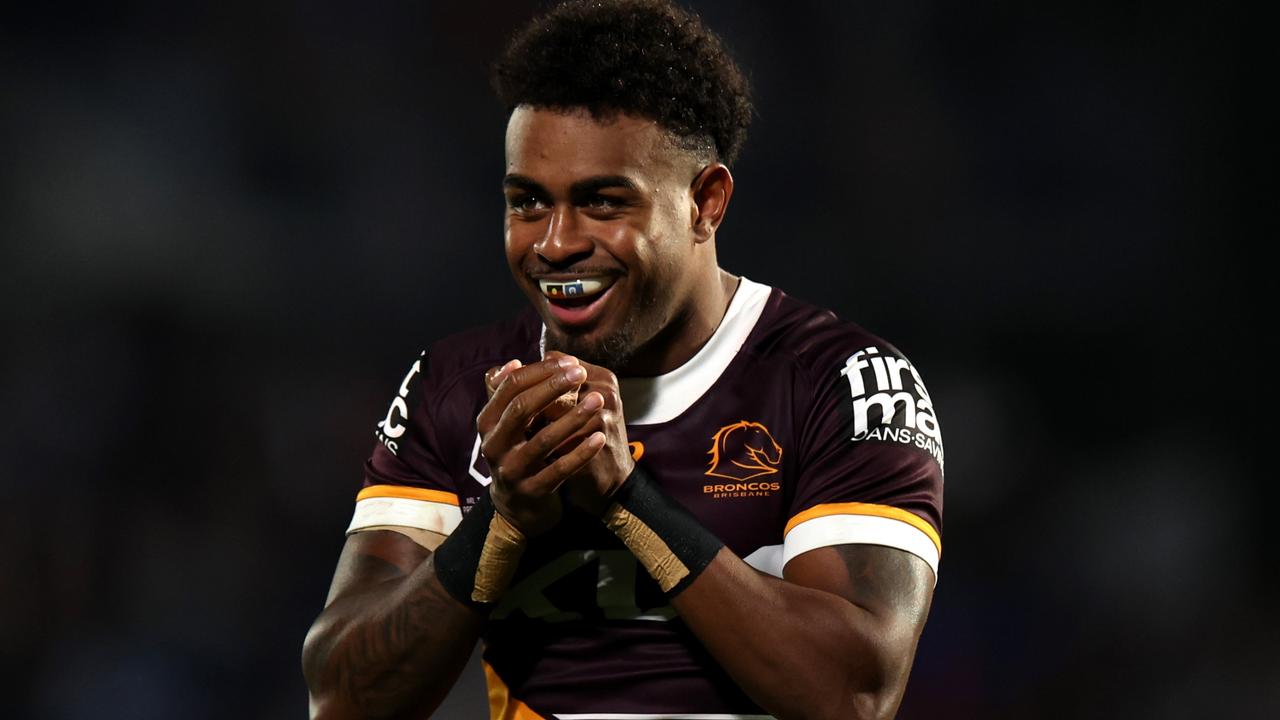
<point x="610" y="350"/>
<point x="613" y="342"/>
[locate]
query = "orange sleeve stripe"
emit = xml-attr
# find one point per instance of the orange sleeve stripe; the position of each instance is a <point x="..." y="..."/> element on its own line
<point x="856" y="508"/>
<point x="409" y="493"/>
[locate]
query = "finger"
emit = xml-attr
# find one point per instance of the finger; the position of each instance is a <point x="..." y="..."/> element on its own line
<point x="564" y="404"/>
<point x="553" y="436"/>
<point x="489" y="386"/>
<point x="510" y="367"/>
<point x="524" y="457"/>
<point x="513" y="383"/>
<point x="602" y="380"/>
<point x="494" y="376"/>
<point x="561" y="406"/>
<point x="598" y="421"/>
<point x="550" y="478"/>
<point x="599" y="373"/>
<point x="523" y="408"/>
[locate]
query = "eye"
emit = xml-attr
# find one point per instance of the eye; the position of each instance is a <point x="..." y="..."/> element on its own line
<point x="525" y="203"/>
<point x="604" y="203"/>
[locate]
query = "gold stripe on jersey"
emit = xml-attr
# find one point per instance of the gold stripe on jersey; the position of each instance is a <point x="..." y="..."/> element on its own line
<point x="501" y="705"/>
<point x="857" y="508"/>
<point x="408" y="493"/>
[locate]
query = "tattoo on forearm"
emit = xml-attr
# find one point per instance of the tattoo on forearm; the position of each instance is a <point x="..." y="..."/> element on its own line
<point x="383" y="665"/>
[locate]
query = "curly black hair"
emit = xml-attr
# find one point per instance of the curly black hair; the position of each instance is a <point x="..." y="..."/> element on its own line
<point x="647" y="58"/>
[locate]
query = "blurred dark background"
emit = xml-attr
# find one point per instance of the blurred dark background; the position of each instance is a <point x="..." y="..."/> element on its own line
<point x="226" y="230"/>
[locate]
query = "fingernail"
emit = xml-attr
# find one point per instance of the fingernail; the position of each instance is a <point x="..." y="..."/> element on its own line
<point x="567" y="361"/>
<point x="505" y="370"/>
<point x="575" y="374"/>
<point x="592" y="402"/>
<point x="597" y="439"/>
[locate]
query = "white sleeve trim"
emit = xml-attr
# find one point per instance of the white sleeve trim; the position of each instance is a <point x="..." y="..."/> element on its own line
<point x="859" y="530"/>
<point x="405" y="512"/>
<point x="767" y="559"/>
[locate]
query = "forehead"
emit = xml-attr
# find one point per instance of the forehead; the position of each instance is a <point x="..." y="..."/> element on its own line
<point x="552" y="146"/>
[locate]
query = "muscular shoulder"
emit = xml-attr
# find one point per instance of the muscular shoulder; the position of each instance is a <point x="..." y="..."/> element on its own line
<point x="812" y="338"/>
<point x="437" y="401"/>
<point x="463" y="355"/>
<point x="840" y="370"/>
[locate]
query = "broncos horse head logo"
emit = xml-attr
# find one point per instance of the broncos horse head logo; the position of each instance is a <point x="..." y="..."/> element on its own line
<point x="744" y="450"/>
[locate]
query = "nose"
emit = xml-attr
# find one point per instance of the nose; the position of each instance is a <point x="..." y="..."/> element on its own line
<point x="563" y="243"/>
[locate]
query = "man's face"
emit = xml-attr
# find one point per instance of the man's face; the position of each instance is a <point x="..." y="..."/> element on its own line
<point x="599" y="229"/>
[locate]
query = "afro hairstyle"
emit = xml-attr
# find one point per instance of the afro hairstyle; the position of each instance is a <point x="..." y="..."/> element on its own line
<point x="644" y="58"/>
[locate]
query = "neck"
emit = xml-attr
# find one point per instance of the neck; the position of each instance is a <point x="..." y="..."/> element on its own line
<point x="689" y="329"/>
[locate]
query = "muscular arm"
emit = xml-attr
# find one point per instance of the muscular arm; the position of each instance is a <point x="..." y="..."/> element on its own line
<point x="390" y="641"/>
<point x="834" y="640"/>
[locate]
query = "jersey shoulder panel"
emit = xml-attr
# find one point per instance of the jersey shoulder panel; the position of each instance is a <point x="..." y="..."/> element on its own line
<point x="809" y="335"/>
<point x="870" y="457"/>
<point x="426" y="440"/>
<point x="452" y="389"/>
<point x="456" y="356"/>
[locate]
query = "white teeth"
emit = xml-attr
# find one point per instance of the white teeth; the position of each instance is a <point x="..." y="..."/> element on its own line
<point x="582" y="287"/>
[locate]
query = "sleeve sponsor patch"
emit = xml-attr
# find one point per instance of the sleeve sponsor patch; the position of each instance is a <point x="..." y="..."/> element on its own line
<point x="890" y="402"/>
<point x="391" y="427"/>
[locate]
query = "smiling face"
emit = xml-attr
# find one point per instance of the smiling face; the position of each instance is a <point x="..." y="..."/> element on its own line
<point x="605" y="233"/>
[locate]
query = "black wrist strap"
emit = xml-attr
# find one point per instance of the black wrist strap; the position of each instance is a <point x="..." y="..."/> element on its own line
<point x="665" y="537"/>
<point x="476" y="562"/>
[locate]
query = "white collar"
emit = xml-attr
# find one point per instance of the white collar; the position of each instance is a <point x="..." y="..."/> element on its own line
<point x="662" y="398"/>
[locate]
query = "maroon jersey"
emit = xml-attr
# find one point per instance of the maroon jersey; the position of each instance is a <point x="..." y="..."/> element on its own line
<point x="789" y="430"/>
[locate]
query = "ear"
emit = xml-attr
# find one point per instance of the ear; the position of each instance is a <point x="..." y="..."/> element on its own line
<point x="710" y="191"/>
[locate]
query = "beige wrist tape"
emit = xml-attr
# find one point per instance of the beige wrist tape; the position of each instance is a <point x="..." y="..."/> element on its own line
<point x="499" y="558"/>
<point x="651" y="550"/>
<point x="664" y="536"/>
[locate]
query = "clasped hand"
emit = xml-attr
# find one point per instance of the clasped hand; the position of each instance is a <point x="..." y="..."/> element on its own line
<point x="535" y="448"/>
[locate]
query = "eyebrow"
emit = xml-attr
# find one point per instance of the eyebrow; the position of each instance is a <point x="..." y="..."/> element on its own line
<point x="586" y="186"/>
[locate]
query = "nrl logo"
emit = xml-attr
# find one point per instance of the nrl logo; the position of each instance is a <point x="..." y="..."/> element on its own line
<point x="742" y="451"/>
